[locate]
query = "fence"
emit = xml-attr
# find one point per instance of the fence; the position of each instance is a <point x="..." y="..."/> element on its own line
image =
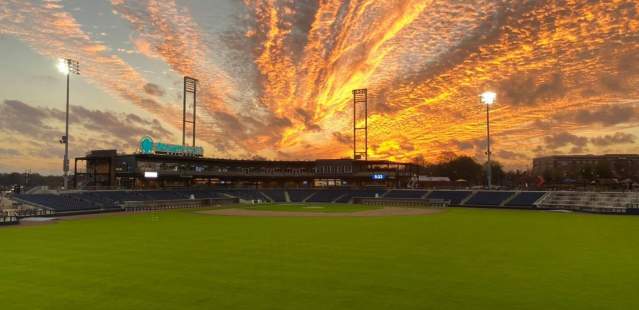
<point x="8" y="220"/>
<point x="33" y="212"/>
<point x="402" y="202"/>
<point x="177" y="204"/>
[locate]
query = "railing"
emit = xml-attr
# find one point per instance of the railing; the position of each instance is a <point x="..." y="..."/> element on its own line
<point x="33" y="212"/>
<point x="401" y="202"/>
<point x="177" y="204"/>
<point x="9" y="220"/>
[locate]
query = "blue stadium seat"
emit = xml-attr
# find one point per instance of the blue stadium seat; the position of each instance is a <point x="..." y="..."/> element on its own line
<point x="327" y="195"/>
<point x="362" y="193"/>
<point x="299" y="195"/>
<point x="277" y="195"/>
<point x="525" y="199"/>
<point x="408" y="194"/>
<point x="246" y="194"/>
<point x="60" y="203"/>
<point x="455" y="197"/>
<point x="488" y="198"/>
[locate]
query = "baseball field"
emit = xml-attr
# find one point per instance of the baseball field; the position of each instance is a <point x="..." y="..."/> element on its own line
<point x="450" y="259"/>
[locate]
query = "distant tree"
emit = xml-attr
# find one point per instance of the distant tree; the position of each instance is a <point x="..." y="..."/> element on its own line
<point x="34" y="179"/>
<point x="497" y="173"/>
<point x="461" y="167"/>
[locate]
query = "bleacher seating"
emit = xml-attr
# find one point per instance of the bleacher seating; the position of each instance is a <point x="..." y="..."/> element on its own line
<point x="455" y="197"/>
<point x="590" y="200"/>
<point x="404" y="194"/>
<point x="525" y="199"/>
<point x="488" y="198"/>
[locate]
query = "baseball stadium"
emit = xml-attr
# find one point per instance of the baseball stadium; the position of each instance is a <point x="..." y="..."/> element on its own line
<point x="322" y="155"/>
<point x="166" y="230"/>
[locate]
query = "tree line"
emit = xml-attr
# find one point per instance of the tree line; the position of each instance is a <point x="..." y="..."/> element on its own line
<point x="466" y="168"/>
<point x="30" y="179"/>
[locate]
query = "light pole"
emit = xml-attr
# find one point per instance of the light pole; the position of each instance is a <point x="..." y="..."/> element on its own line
<point x="67" y="66"/>
<point x="488" y="98"/>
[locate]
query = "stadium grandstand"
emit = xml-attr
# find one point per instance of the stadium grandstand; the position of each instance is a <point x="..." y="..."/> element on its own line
<point x="117" y="200"/>
<point x="109" y="169"/>
<point x="167" y="176"/>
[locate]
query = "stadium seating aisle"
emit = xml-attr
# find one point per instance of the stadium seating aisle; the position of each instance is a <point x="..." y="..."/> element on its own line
<point x="299" y="195"/>
<point x="525" y="199"/>
<point x="245" y="194"/>
<point x="276" y="195"/>
<point x="327" y="195"/>
<point x="455" y="197"/>
<point x="488" y="198"/>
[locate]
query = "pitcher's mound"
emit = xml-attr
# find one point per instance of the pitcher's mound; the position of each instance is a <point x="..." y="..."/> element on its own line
<point x="387" y="211"/>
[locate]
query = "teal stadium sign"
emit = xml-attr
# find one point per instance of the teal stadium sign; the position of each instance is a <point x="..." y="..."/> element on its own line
<point x="147" y="146"/>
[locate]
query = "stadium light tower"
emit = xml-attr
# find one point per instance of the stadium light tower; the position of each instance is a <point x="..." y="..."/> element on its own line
<point x="67" y="66"/>
<point x="488" y="98"/>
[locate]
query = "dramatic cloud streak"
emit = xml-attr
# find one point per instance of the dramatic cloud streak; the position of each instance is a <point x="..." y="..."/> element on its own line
<point x="277" y="80"/>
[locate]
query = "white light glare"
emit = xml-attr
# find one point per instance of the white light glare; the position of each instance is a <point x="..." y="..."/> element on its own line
<point x="488" y="97"/>
<point x="62" y="66"/>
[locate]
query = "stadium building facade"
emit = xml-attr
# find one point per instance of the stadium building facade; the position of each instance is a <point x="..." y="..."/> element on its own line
<point x="158" y="165"/>
<point x="619" y="165"/>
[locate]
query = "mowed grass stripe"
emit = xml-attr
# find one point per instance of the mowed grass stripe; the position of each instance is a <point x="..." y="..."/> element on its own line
<point x="462" y="258"/>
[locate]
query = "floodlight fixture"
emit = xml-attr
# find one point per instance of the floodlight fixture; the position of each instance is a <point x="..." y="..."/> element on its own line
<point x="488" y="97"/>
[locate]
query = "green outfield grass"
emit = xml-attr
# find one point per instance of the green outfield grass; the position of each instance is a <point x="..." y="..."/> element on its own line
<point x="458" y="259"/>
<point x="310" y="207"/>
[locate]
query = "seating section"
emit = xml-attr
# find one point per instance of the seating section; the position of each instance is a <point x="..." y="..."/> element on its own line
<point x="277" y="195"/>
<point x="245" y="194"/>
<point x="109" y="200"/>
<point x="408" y="194"/>
<point x="202" y="194"/>
<point x="488" y="198"/>
<point x="95" y="201"/>
<point x="60" y="203"/>
<point x="362" y="193"/>
<point x="589" y="200"/>
<point x="329" y="195"/>
<point x="525" y="199"/>
<point x="455" y="197"/>
<point x="299" y="195"/>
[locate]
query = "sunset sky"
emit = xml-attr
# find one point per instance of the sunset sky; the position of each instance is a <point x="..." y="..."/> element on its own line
<point x="276" y="77"/>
